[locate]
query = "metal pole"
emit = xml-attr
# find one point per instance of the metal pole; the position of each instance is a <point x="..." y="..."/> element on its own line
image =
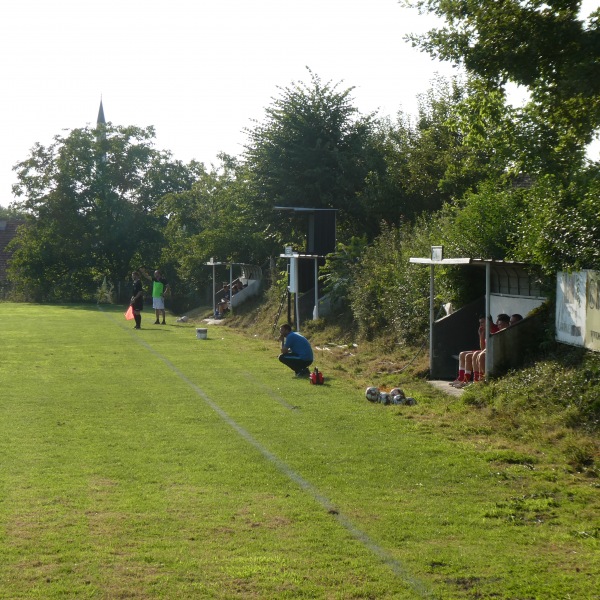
<point x="214" y="293"/>
<point x="431" y="318"/>
<point x="289" y="293"/>
<point x="488" y="350"/>
<point x="297" y="295"/>
<point x="297" y="313"/>
<point x="230" y="290"/>
<point x="316" y="311"/>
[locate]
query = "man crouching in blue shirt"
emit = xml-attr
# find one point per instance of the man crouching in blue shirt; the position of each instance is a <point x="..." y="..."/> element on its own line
<point x="296" y="352"/>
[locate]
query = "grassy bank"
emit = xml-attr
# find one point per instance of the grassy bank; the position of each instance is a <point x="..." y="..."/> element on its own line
<point x="552" y="402"/>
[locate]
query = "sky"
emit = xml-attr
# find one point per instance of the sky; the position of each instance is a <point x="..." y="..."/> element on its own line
<point x="199" y="71"/>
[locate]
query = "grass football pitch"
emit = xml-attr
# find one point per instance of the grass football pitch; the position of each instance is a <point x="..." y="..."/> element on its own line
<point x="152" y="464"/>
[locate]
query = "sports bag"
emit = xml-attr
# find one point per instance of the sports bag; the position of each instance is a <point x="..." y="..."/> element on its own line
<point x="316" y="377"/>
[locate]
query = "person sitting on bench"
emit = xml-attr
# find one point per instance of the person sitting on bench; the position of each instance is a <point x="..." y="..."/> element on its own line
<point x="465" y="358"/>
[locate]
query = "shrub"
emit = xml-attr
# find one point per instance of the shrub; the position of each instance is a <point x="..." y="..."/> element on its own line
<point x="388" y="292"/>
<point x="560" y="227"/>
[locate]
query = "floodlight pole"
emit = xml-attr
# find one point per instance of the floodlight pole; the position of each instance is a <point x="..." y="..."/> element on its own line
<point x="316" y="311"/>
<point x="431" y="316"/>
<point x="488" y="350"/>
<point x="213" y="264"/>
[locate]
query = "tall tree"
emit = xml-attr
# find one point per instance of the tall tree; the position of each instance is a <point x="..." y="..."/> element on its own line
<point x="313" y="150"/>
<point x="89" y="198"/>
<point x="543" y="45"/>
<point x="216" y="218"/>
<point x="461" y="136"/>
<point x="559" y="228"/>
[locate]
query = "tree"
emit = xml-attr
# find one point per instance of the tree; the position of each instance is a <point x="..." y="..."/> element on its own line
<point x="540" y="44"/>
<point x="217" y="218"/>
<point x="484" y="223"/>
<point x="460" y="137"/>
<point x="560" y="224"/>
<point x="90" y="200"/>
<point x="313" y="150"/>
<point x="10" y="213"/>
<point x="337" y="273"/>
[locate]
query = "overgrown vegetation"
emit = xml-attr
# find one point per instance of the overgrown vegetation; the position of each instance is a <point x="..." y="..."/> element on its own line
<point x="468" y="172"/>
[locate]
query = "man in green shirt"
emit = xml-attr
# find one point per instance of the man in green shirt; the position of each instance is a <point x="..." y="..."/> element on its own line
<point x="160" y="286"/>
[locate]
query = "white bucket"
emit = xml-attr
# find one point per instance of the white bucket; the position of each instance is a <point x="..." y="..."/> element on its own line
<point x="201" y="333"/>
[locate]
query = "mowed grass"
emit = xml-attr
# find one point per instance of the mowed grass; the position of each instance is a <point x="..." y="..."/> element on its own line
<point x="151" y="464"/>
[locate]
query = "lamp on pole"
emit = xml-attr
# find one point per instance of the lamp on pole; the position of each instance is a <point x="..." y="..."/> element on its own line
<point x="214" y="291"/>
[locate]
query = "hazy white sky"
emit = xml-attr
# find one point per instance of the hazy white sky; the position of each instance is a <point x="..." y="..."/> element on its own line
<point x="199" y="71"/>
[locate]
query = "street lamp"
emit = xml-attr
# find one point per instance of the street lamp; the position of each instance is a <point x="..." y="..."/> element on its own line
<point x="214" y="264"/>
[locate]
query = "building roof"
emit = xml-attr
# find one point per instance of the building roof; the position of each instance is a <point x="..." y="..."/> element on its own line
<point x="301" y="209"/>
<point x="507" y="276"/>
<point x="481" y="262"/>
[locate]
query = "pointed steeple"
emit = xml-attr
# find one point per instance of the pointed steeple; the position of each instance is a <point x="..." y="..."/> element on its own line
<point x="101" y="132"/>
<point x="101" y="120"/>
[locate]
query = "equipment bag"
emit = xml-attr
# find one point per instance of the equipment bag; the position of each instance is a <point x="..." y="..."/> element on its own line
<point x="316" y="377"/>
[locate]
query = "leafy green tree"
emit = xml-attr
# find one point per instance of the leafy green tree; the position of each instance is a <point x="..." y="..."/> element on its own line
<point x="483" y="224"/>
<point x="460" y="137"/>
<point x="432" y="145"/>
<point x="487" y="128"/>
<point x="216" y="218"/>
<point x="338" y="271"/>
<point x="90" y="199"/>
<point x="313" y="150"/>
<point x="426" y="148"/>
<point x="560" y="224"/>
<point x="542" y="45"/>
<point x="10" y="212"/>
<point x="448" y="180"/>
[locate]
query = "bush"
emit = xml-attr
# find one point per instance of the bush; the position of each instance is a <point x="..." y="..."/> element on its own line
<point x="388" y="292"/>
<point x="560" y="227"/>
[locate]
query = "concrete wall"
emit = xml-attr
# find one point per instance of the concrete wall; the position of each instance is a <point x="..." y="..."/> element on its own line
<point x="509" y="304"/>
<point x="452" y="335"/>
<point x="509" y="348"/>
<point x="458" y="332"/>
<point x="252" y="289"/>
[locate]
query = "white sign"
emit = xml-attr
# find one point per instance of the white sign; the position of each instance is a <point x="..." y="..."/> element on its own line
<point x="437" y="253"/>
<point x="592" y="315"/>
<point x="293" y="287"/>
<point x="578" y="309"/>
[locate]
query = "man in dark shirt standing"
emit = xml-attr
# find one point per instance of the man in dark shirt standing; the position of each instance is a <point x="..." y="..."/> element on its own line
<point x="137" y="299"/>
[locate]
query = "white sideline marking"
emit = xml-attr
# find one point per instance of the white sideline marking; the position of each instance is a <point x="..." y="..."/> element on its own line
<point x="418" y="586"/>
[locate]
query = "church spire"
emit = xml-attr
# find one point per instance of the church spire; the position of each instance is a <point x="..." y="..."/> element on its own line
<point x="101" y="120"/>
<point x="101" y="132"/>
